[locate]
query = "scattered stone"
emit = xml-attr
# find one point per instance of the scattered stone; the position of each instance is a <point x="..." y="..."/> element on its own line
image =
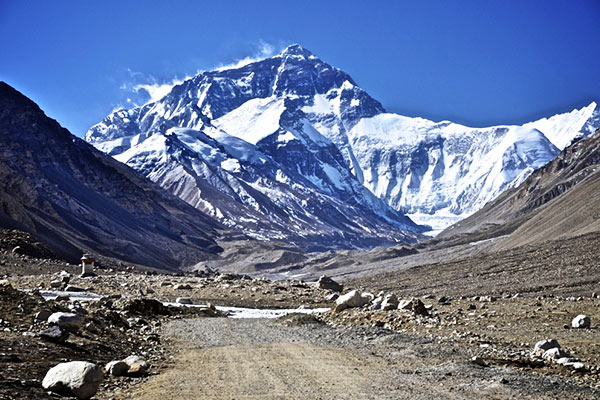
<point x="376" y="304"/>
<point x="71" y="288"/>
<point x="42" y="316"/>
<point x="117" y="368"/>
<point x="351" y="299"/>
<point x="581" y="322"/>
<point x="479" y="361"/>
<point x="165" y="283"/>
<point x="150" y="291"/>
<point x="415" y="305"/>
<point x="137" y="365"/>
<point x="565" y="360"/>
<point x="332" y="297"/>
<point x="390" y="302"/>
<point x="90" y="327"/>
<point x="76" y="378"/>
<point x="543" y="345"/>
<point x="69" y="321"/>
<point x="76" y="308"/>
<point x="184" y="300"/>
<point x="56" y="283"/>
<point x="142" y="306"/>
<point x="554" y="354"/>
<point x="327" y="283"/>
<point x="182" y="286"/>
<point x="23" y="309"/>
<point x="65" y="277"/>
<point x="577" y="365"/>
<point x="55" y="334"/>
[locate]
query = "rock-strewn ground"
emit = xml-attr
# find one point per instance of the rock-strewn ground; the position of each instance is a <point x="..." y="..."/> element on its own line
<point x="258" y="359"/>
<point x="473" y="310"/>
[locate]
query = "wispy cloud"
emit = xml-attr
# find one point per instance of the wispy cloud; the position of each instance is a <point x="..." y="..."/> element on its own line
<point x="156" y="90"/>
<point x="143" y="88"/>
<point x="140" y="88"/>
<point x="264" y="50"/>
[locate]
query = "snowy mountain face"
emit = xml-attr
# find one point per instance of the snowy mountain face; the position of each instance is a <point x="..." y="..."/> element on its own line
<point x="291" y="148"/>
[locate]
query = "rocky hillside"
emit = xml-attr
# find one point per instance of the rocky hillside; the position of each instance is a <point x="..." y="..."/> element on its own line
<point x="74" y="198"/>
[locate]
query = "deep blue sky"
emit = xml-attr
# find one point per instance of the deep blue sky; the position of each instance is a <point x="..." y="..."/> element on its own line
<point x="475" y="62"/>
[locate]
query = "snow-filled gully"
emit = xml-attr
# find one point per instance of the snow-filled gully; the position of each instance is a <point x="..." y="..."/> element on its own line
<point x="234" y="312"/>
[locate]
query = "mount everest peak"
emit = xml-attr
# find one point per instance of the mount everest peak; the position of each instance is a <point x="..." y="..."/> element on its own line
<point x="290" y="147"/>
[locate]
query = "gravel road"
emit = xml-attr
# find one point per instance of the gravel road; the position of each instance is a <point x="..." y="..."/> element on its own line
<point x="222" y="358"/>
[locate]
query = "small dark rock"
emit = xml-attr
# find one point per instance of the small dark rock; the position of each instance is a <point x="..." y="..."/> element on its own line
<point x="55" y="334"/>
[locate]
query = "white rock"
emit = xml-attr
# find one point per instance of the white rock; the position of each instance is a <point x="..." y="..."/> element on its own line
<point x="577" y="365"/>
<point x="554" y="354"/>
<point x="543" y="345"/>
<point x="376" y="304"/>
<point x="352" y="299"/>
<point x="565" y="360"/>
<point x="76" y="378"/>
<point x="136" y="364"/>
<point x="390" y="302"/>
<point x="581" y="321"/>
<point x="69" y="321"/>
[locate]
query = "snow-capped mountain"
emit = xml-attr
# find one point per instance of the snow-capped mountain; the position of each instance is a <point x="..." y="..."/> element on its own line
<point x="306" y="154"/>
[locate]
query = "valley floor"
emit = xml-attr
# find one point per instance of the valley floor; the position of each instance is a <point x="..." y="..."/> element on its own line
<point x="264" y="359"/>
<point x="491" y="306"/>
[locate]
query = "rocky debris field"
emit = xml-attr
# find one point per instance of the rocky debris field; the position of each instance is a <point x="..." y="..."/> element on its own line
<point x="300" y="357"/>
<point x="51" y="317"/>
<point x="469" y="340"/>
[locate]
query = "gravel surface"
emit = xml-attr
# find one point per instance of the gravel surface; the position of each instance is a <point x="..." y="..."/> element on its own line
<point x="263" y="359"/>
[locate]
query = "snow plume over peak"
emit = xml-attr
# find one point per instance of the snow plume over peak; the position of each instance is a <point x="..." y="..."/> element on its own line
<point x="290" y="147"/>
<point x="265" y="50"/>
<point x="145" y="88"/>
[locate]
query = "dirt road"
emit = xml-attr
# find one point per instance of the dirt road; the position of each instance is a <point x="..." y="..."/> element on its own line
<point x="261" y="359"/>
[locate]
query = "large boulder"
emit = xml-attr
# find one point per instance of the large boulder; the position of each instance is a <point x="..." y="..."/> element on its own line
<point x="352" y="299"/>
<point x="76" y="378"/>
<point x="327" y="283"/>
<point x="581" y="321"/>
<point x="69" y="321"/>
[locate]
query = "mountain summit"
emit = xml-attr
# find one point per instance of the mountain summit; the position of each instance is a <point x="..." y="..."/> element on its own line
<point x="297" y="51"/>
<point x="292" y="146"/>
